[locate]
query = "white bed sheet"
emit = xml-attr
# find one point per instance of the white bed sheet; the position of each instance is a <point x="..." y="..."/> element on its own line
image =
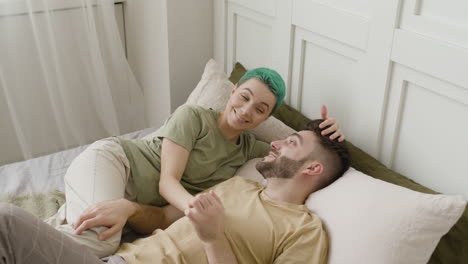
<point x="45" y="173"/>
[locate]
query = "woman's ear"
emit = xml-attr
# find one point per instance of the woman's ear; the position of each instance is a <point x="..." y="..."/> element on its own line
<point x="234" y="89"/>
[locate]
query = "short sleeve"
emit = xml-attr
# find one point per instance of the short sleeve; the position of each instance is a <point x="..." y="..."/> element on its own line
<point x="259" y="150"/>
<point x="183" y="127"/>
<point x="305" y="246"/>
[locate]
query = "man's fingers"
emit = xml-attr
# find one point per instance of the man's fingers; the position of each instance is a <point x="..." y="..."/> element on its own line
<point x="203" y="201"/>
<point x="90" y="212"/>
<point x="86" y="224"/>
<point x="192" y="214"/>
<point x="83" y="217"/>
<point x="216" y="198"/>
<point x="187" y="212"/>
<point x="191" y="204"/>
<point x="109" y="232"/>
<point x="197" y="204"/>
<point x="209" y="200"/>
<point x="80" y="220"/>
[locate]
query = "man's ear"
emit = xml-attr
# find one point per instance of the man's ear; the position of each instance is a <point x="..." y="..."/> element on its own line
<point x="314" y="168"/>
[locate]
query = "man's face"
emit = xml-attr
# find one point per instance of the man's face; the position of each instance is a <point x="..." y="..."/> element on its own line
<point x="288" y="156"/>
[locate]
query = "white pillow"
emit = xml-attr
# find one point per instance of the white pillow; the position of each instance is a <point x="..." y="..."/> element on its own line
<point x="249" y="171"/>
<point x="372" y="221"/>
<point x="213" y="91"/>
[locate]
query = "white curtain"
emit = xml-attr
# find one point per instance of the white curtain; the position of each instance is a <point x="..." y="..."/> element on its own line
<point x="64" y="77"/>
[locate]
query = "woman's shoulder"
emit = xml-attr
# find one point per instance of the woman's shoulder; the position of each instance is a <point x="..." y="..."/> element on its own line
<point x="191" y="111"/>
<point x="192" y="107"/>
<point x="200" y="111"/>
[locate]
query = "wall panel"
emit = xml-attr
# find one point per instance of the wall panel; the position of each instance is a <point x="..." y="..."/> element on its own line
<point x="324" y="72"/>
<point x="425" y="135"/>
<point x="249" y="37"/>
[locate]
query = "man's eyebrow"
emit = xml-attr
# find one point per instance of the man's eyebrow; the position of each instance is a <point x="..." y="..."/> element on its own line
<point x="299" y="137"/>
<point x="267" y="105"/>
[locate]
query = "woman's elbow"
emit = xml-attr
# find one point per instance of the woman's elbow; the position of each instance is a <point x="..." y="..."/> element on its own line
<point x="162" y="187"/>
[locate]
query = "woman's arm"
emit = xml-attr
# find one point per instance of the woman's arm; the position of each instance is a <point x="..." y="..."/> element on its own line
<point x="174" y="159"/>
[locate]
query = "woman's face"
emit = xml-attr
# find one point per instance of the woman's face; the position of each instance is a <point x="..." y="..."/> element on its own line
<point x="250" y="104"/>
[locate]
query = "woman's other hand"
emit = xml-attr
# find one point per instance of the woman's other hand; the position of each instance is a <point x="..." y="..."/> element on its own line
<point x="333" y="127"/>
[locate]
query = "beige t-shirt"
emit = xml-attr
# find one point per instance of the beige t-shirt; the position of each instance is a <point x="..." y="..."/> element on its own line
<point x="258" y="229"/>
<point x="212" y="158"/>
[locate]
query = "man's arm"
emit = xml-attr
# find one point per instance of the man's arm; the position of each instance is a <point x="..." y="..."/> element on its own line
<point x="114" y="214"/>
<point x="309" y="242"/>
<point x="206" y="212"/>
<point x="148" y="218"/>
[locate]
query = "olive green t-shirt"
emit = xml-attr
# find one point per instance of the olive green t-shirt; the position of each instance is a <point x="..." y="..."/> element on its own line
<point x="212" y="158"/>
<point x="259" y="230"/>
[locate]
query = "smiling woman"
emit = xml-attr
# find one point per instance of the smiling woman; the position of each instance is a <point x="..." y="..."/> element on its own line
<point x="250" y="104"/>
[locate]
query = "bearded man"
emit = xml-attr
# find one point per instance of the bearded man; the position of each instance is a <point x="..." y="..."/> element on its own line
<point x="237" y="221"/>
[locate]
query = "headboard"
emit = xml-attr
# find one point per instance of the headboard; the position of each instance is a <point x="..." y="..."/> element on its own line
<point x="393" y="73"/>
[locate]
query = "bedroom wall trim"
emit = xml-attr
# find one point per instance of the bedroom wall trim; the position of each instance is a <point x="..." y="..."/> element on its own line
<point x="418" y="139"/>
<point x="237" y="13"/>
<point x="18" y="8"/>
<point x="321" y="19"/>
<point x="447" y="61"/>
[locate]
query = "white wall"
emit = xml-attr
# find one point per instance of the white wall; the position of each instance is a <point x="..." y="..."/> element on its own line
<point x="394" y="73"/>
<point x="190" y="31"/>
<point x="168" y="44"/>
<point x="147" y="52"/>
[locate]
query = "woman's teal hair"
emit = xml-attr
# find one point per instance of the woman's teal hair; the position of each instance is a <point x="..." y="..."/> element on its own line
<point x="272" y="79"/>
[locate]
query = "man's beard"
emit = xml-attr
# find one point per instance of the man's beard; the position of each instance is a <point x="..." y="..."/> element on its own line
<point x="281" y="167"/>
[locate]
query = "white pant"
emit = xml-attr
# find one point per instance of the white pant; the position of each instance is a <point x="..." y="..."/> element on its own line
<point x="100" y="173"/>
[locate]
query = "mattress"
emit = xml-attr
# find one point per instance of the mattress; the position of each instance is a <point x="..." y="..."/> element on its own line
<point x="45" y="173"/>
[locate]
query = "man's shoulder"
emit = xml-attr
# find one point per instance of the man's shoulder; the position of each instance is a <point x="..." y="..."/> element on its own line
<point x="241" y="181"/>
<point x="237" y="182"/>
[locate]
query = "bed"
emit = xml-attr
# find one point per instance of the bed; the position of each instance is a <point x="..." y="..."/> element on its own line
<point x="37" y="185"/>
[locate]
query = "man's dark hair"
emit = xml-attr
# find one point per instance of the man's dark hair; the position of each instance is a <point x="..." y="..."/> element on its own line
<point x="339" y="160"/>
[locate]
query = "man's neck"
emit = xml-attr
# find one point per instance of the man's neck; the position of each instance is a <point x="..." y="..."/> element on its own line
<point x="286" y="190"/>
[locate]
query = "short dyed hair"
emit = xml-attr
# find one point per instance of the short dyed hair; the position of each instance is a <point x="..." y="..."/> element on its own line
<point x="272" y="79"/>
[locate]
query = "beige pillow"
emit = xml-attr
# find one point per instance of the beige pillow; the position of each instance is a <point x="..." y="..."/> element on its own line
<point x="372" y="221"/>
<point x="213" y="91"/>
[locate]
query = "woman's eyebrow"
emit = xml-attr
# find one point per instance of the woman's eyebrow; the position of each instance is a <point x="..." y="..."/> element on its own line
<point x="250" y="91"/>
